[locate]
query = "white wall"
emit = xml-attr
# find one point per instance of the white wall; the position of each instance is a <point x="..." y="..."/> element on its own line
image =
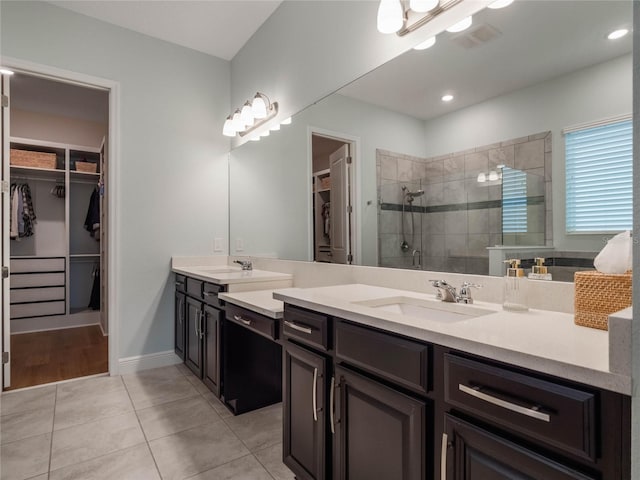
<point x="594" y="93"/>
<point x="54" y="128"/>
<point x="309" y="49"/>
<point x="270" y="180"/>
<point x="172" y="185"/>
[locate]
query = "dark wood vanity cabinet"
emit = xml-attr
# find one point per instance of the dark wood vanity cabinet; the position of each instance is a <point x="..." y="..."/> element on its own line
<point x="193" y="348"/>
<point x="179" y="323"/>
<point x="212" y="323"/>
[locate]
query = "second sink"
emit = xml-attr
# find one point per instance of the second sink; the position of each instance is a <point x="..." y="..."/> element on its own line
<point x="425" y="309"/>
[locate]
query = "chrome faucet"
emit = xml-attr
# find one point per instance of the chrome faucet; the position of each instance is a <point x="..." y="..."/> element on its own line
<point x="413" y="258"/>
<point x="246" y="264"/>
<point x="448" y="293"/>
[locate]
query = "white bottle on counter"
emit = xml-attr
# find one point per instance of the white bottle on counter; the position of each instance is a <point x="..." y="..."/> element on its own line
<point x="515" y="288"/>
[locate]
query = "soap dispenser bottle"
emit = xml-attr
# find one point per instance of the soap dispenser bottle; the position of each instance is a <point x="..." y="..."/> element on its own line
<point x="539" y="271"/>
<point x="515" y="288"/>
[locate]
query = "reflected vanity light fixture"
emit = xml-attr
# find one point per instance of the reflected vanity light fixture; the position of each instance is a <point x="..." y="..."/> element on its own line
<point x="491" y="175"/>
<point x="251" y="116"/>
<point x="405" y="16"/>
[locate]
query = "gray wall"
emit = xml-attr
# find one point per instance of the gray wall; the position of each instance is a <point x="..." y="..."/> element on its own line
<point x="173" y="159"/>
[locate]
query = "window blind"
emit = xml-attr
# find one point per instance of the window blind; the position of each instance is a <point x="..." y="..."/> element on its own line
<point x="514" y="201"/>
<point x="599" y="167"/>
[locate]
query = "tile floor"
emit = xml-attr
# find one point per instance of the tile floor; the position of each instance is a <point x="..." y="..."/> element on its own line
<point x="156" y="424"/>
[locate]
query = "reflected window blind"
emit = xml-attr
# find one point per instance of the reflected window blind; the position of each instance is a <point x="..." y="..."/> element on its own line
<point x="514" y="201"/>
<point x="599" y="167"/>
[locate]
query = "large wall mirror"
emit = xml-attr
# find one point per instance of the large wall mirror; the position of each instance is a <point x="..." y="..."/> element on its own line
<point x="384" y="172"/>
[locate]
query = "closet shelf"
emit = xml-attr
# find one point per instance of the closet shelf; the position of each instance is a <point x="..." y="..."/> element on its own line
<point x="34" y="172"/>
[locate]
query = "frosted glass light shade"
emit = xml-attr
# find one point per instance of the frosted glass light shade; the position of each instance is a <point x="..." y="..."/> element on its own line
<point x="422" y="6"/>
<point x="500" y="4"/>
<point x="493" y="176"/>
<point x="258" y="107"/>
<point x="227" y="129"/>
<point x="246" y="115"/>
<point x="482" y="178"/>
<point x="390" y="16"/>
<point x="237" y="122"/>
<point x="461" y="25"/>
<point x="428" y="43"/>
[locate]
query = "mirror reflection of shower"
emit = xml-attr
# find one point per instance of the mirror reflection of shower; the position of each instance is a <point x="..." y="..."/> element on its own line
<point x="407" y="202"/>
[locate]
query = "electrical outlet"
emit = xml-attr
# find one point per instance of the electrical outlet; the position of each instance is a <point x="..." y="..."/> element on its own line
<point x="217" y="244"/>
<point x="239" y="245"/>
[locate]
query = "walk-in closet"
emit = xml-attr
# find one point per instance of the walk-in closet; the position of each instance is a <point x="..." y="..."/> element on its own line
<point x="58" y="317"/>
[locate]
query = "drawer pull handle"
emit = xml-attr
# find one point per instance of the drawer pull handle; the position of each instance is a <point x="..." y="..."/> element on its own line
<point x="314" y="394"/>
<point x="443" y="456"/>
<point x="196" y="321"/>
<point x="238" y="318"/>
<point x="306" y="330"/>
<point x="179" y="284"/>
<point x="532" y="412"/>
<point x="209" y="294"/>
<point x="332" y="398"/>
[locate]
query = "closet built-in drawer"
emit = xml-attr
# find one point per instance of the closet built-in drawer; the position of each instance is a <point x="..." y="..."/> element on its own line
<point x="399" y="360"/>
<point x="307" y="327"/>
<point x="181" y="283"/>
<point x="561" y="416"/>
<point x="260" y="324"/>
<point x="26" y="295"/>
<point x="42" y="309"/>
<point x="46" y="264"/>
<point x="194" y="287"/>
<point x="24" y="280"/>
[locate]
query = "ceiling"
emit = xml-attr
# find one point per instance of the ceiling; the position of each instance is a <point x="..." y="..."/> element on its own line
<point x="536" y="40"/>
<point x="216" y="27"/>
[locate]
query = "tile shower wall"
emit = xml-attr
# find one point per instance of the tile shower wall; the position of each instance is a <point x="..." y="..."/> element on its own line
<point x="459" y="217"/>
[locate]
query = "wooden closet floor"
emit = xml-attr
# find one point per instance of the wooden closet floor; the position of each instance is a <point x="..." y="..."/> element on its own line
<point x="45" y="357"/>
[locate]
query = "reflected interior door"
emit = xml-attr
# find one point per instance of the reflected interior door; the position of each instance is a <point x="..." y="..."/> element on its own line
<point x="5" y="334"/>
<point x="340" y="172"/>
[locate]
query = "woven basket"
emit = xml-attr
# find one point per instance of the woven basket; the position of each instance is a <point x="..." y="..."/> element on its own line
<point x="86" y="167"/>
<point x="598" y="295"/>
<point x="27" y="158"/>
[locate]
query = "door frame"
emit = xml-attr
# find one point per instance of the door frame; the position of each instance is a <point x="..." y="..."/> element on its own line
<point x="113" y="87"/>
<point x="356" y="183"/>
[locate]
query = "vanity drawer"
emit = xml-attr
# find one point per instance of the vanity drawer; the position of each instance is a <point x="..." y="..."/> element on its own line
<point x="210" y="293"/>
<point x="560" y="416"/>
<point x="260" y="324"/>
<point x="399" y="360"/>
<point x="307" y="327"/>
<point x="194" y="287"/>
<point x="181" y="283"/>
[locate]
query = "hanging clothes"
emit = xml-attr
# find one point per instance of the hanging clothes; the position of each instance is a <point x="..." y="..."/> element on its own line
<point x="92" y="220"/>
<point x="94" y="301"/>
<point x="326" y="219"/>
<point x="21" y="212"/>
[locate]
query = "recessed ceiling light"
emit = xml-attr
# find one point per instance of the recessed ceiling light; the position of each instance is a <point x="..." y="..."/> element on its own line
<point x="447" y="98"/>
<point x="500" y="4"/>
<point x="5" y="71"/>
<point x="461" y="25"/>
<point x="428" y="43"/>
<point x="616" y="34"/>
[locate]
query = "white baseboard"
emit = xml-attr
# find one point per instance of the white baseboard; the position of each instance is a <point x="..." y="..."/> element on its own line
<point x="145" y="362"/>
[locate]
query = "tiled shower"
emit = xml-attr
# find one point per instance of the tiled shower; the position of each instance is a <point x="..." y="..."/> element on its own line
<point x="460" y="213"/>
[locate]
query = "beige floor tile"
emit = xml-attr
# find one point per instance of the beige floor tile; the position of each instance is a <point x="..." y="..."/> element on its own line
<point x="198" y="384"/>
<point x="170" y="418"/>
<point x="44" y="476"/>
<point x="196" y="450"/>
<point x="182" y="368"/>
<point x="90" y="406"/>
<point x="25" y="458"/>
<point x="218" y="406"/>
<point x="134" y="463"/>
<point x="89" y="387"/>
<point x="24" y="400"/>
<point x="162" y="373"/>
<point x="271" y="459"/>
<point x="90" y="440"/>
<point x="258" y="429"/>
<point x="25" y="424"/>
<point x="245" y="468"/>
<point x="147" y="391"/>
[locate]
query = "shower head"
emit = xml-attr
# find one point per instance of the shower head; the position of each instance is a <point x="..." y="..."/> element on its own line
<point x="417" y="193"/>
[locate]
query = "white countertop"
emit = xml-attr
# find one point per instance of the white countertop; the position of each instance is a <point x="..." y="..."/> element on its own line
<point x="541" y="340"/>
<point x="260" y="301"/>
<point x="228" y="275"/>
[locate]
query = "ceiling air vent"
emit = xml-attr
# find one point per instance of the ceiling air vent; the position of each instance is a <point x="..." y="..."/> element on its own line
<point x="476" y="36"/>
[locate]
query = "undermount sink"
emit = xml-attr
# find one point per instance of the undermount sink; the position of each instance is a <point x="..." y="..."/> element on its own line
<point x="426" y="309"/>
<point x="219" y="270"/>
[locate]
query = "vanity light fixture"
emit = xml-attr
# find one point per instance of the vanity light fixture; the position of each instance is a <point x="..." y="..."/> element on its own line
<point x="500" y="4"/>
<point x="428" y="43"/>
<point x="447" y="98"/>
<point x="482" y="177"/>
<point x="422" y="6"/>
<point x="461" y="25"/>
<point x="250" y="117"/>
<point x="616" y="34"/>
<point x="405" y="16"/>
<point x="5" y="71"/>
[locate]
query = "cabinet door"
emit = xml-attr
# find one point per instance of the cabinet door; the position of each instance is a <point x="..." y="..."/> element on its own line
<point x="179" y="324"/>
<point x="193" y="347"/>
<point x="472" y="453"/>
<point x="379" y="432"/>
<point x="211" y="354"/>
<point x="304" y="448"/>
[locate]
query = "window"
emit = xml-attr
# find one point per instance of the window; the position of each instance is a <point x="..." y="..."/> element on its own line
<point x="599" y="163"/>
<point x="514" y="201"/>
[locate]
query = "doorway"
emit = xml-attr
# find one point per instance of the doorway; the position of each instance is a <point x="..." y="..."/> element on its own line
<point x="333" y="210"/>
<point x="56" y="148"/>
